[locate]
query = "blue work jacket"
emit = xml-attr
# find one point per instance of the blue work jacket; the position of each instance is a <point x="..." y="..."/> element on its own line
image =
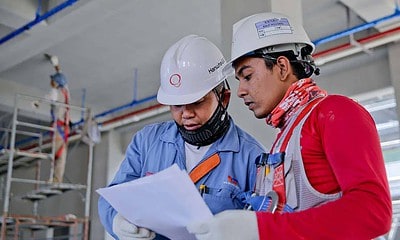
<point x="158" y="146"/>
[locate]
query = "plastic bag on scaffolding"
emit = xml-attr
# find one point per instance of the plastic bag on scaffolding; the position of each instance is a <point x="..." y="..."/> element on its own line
<point x="91" y="132"/>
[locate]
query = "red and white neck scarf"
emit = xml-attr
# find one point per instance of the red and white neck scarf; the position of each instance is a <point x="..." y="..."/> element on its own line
<point x="298" y="94"/>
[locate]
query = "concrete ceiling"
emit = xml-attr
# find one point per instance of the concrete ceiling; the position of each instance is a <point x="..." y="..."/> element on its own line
<point x="112" y="50"/>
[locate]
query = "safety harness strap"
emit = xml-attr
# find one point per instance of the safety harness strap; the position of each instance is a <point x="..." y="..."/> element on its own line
<point x="279" y="178"/>
<point x="66" y="116"/>
<point x="205" y="167"/>
<point x="59" y="152"/>
<point x="302" y="114"/>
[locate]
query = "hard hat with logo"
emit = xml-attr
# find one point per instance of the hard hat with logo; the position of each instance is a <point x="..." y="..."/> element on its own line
<point x="190" y="69"/>
<point x="59" y="78"/>
<point x="274" y="30"/>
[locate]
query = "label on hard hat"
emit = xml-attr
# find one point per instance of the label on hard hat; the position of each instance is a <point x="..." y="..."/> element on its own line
<point x="218" y="65"/>
<point x="273" y="26"/>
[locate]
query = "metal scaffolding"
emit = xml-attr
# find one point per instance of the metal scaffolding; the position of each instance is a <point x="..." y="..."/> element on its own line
<point x="30" y="145"/>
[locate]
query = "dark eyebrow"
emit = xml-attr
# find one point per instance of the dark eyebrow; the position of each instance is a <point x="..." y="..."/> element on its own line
<point x="240" y="72"/>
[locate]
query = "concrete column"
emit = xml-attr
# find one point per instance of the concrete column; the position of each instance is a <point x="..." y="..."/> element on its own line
<point x="107" y="158"/>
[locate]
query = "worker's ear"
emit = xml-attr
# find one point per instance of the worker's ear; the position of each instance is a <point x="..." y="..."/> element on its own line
<point x="226" y="97"/>
<point x="284" y="67"/>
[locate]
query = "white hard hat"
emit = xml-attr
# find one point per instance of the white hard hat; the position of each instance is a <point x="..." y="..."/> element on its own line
<point x="266" y="30"/>
<point x="190" y="69"/>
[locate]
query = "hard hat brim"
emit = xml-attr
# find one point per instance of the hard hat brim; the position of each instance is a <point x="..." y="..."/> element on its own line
<point x="169" y="99"/>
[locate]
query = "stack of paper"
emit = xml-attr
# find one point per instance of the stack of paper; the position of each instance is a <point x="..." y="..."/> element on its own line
<point x="165" y="202"/>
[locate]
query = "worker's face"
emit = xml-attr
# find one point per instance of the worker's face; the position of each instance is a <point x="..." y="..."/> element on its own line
<point x="261" y="88"/>
<point x="194" y="115"/>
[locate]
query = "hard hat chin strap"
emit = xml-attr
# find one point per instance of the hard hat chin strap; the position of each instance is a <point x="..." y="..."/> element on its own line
<point x="308" y="65"/>
<point x="213" y="129"/>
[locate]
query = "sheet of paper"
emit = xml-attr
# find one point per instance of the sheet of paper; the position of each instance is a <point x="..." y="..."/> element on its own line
<point x="164" y="202"/>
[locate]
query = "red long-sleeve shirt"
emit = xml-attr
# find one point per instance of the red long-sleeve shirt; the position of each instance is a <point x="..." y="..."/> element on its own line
<point x="341" y="151"/>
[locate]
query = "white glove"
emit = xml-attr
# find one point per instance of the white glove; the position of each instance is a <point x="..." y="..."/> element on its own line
<point x="54" y="60"/>
<point x="126" y="230"/>
<point x="229" y="224"/>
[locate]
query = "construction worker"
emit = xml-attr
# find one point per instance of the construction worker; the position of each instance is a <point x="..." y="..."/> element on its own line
<point x="324" y="177"/>
<point x="60" y="117"/>
<point x="201" y="134"/>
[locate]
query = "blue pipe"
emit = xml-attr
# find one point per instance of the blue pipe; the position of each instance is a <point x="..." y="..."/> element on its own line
<point x="39" y="8"/>
<point x="356" y="28"/>
<point x="120" y="108"/>
<point x="131" y="104"/>
<point x="38" y="19"/>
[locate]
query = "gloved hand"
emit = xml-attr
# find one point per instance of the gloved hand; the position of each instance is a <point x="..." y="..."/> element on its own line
<point x="54" y="60"/>
<point x="229" y="224"/>
<point x="128" y="231"/>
